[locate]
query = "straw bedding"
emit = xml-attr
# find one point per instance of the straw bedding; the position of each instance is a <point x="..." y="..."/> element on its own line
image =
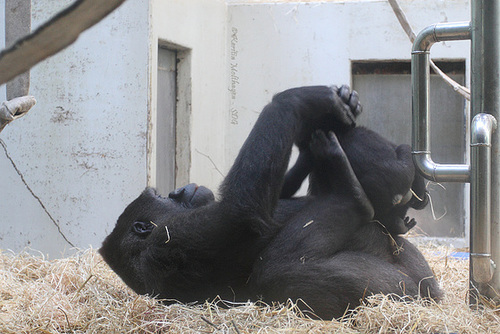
<point x="80" y="294"/>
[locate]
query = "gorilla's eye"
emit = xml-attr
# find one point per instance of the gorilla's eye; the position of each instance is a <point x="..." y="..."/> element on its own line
<point x="142" y="228"/>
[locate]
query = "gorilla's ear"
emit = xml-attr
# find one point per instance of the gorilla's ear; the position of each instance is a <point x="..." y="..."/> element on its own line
<point x="142" y="228"/>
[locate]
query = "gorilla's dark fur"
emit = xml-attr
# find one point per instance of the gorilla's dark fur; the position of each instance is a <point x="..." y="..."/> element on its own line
<point x="324" y="249"/>
<point x="385" y="171"/>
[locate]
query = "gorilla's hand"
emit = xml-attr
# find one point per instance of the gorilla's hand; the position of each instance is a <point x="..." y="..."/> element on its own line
<point x="328" y="108"/>
<point x="345" y="108"/>
<point x="336" y="110"/>
<point x="315" y="102"/>
<point x="350" y="98"/>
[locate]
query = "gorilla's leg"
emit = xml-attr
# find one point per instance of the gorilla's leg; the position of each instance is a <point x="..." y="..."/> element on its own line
<point x="371" y="262"/>
<point x="411" y="262"/>
<point x="373" y="239"/>
<point x="330" y="286"/>
<point x="304" y="164"/>
<point x="252" y="187"/>
<point x="325" y="224"/>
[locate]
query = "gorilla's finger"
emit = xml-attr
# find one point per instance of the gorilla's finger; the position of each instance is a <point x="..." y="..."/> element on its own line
<point x="358" y="110"/>
<point x="341" y="110"/>
<point x="345" y="93"/>
<point x="354" y="103"/>
<point x="353" y="99"/>
<point x="411" y="223"/>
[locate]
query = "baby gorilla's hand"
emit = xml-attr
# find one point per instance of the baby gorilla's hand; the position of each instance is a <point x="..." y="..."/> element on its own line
<point x="326" y="147"/>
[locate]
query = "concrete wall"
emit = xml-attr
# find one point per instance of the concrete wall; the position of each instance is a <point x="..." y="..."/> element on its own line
<point x="87" y="148"/>
<point x="2" y="39"/>
<point x="281" y="45"/>
<point x="197" y="29"/>
<point x="82" y="149"/>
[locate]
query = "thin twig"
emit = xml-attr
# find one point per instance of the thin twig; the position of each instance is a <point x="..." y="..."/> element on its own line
<point x="168" y="234"/>
<point x="82" y="286"/>
<point x="66" y="316"/>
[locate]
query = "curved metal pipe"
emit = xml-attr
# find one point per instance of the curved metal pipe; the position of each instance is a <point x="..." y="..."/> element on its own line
<point x="420" y="102"/>
<point x="482" y="265"/>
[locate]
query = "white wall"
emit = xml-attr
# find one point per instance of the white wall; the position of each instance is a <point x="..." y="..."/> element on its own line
<point x="87" y="148"/>
<point x="282" y="45"/>
<point x="198" y="28"/>
<point x="82" y="148"/>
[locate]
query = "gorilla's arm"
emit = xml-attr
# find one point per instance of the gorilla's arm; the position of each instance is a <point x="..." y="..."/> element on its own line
<point x="252" y="187"/>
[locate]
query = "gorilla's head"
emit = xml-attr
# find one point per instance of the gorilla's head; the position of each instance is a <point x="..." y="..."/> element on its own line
<point x="392" y="214"/>
<point x="143" y="226"/>
<point x="387" y="175"/>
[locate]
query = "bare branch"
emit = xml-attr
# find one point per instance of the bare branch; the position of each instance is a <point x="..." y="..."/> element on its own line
<point x="58" y="33"/>
<point x="401" y="16"/>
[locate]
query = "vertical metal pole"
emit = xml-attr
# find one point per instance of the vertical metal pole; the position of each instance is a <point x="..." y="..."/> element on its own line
<point x="481" y="264"/>
<point x="485" y="98"/>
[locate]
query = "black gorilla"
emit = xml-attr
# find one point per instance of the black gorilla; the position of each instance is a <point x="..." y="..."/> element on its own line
<point x="323" y="248"/>
<point x="385" y="171"/>
<point x="331" y="267"/>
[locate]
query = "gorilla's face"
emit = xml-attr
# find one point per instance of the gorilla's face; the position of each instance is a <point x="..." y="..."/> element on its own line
<point x="393" y="215"/>
<point x="144" y="226"/>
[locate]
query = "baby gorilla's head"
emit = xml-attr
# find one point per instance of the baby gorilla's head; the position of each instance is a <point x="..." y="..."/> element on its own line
<point x="388" y="177"/>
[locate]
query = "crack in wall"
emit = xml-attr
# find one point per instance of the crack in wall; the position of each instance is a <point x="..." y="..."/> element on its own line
<point x="33" y="194"/>
<point x="213" y="163"/>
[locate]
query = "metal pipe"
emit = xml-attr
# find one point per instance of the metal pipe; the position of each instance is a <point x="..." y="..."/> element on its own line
<point x="484" y="171"/>
<point x="482" y="266"/>
<point x="485" y="98"/>
<point x="420" y="102"/>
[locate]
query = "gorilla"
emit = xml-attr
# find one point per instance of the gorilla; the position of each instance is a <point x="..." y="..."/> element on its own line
<point x="384" y="170"/>
<point x="324" y="249"/>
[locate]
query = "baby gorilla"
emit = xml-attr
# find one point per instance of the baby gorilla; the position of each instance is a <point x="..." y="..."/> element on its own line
<point x="385" y="171"/>
<point x="388" y="176"/>
<point x="326" y="264"/>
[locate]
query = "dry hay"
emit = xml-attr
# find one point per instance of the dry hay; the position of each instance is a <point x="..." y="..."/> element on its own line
<point x="80" y="294"/>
